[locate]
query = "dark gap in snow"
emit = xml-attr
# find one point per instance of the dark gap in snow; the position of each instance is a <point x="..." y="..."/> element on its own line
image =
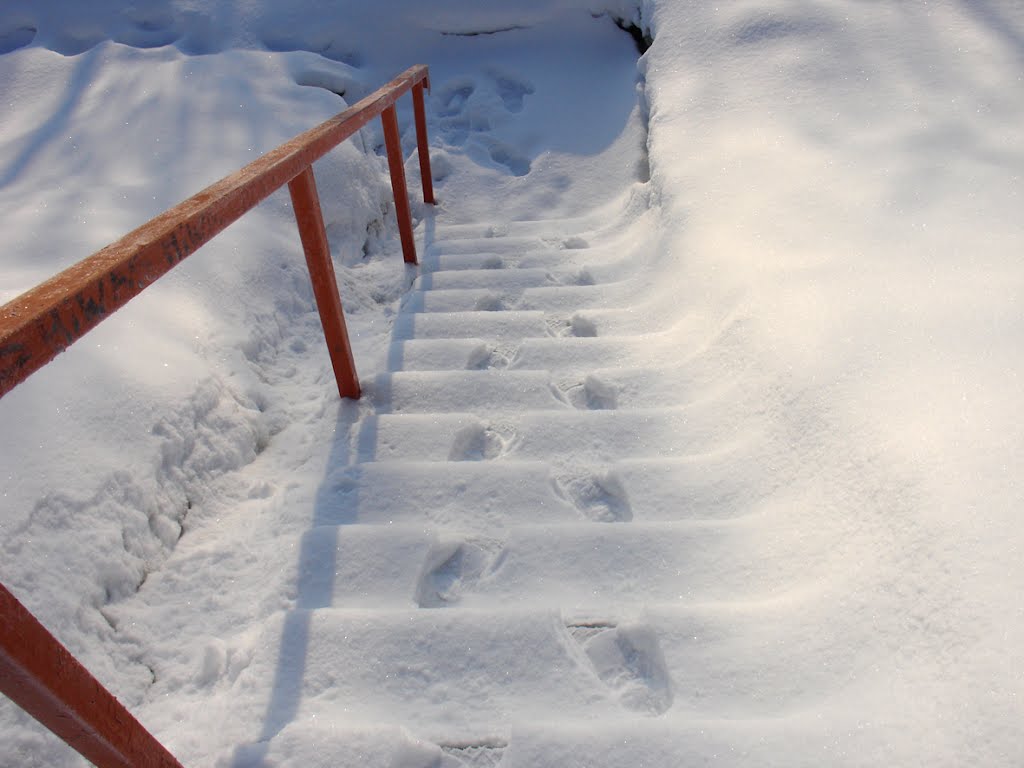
<point x="583" y="631"/>
<point x="313" y="83"/>
<point x="641" y="37"/>
<point x="331" y="50"/>
<point x="486" y="753"/>
<point x="339" y="93"/>
<point x="19" y="37"/>
<point x="643" y="40"/>
<point x="643" y="163"/>
<point x="478" y="33"/>
<point x="640" y="32"/>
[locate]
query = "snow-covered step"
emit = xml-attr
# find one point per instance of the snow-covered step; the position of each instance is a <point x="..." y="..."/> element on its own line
<point x="569" y="298"/>
<point x="509" y="244"/>
<point x="653" y="387"/>
<point x="441" y="354"/>
<point x="508" y="280"/>
<point x="488" y="390"/>
<point x="419" y="668"/>
<point x="630" y="321"/>
<point x="462" y="495"/>
<point x="536" y="228"/>
<point x="362" y="566"/>
<point x="479" y="391"/>
<point x="571" y="566"/>
<point x="492" y="496"/>
<point x="497" y="325"/>
<point x="564" y="353"/>
<point x="554" y="297"/>
<point x="459" y="300"/>
<point x="443" y="262"/>
<point x="597" y="435"/>
<point x="615" y="216"/>
<point x="448" y="672"/>
<point x="584" y="353"/>
<point x="562" y="260"/>
<point x="673" y="739"/>
<point x="720" y="484"/>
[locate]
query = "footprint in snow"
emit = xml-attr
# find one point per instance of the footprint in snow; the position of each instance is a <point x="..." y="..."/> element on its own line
<point x="575" y="243"/>
<point x="593" y="394"/>
<point x="453" y="95"/>
<point x="599" y="496"/>
<point x="480" y="442"/>
<point x="511" y="90"/>
<point x="498" y="357"/>
<point x="492" y="302"/>
<point x="628" y="659"/>
<point x="452" y="568"/>
<point x="577" y="325"/>
<point x="506" y="156"/>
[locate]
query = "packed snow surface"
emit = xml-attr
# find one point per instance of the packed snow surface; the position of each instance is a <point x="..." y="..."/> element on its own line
<point x="695" y="438"/>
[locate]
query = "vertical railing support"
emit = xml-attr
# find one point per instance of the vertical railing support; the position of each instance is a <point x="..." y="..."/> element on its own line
<point x="396" y="164"/>
<point x="42" y="677"/>
<point x="421" y="140"/>
<point x="309" y="217"/>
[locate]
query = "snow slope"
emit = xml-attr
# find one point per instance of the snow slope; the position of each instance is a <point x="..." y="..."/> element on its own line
<point x="695" y="439"/>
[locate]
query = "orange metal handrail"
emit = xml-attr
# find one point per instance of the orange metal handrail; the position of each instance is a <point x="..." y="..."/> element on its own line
<point x="36" y="671"/>
<point x="36" y="326"/>
<point x="42" y="677"/>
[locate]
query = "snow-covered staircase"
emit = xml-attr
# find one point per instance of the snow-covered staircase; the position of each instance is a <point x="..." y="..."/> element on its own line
<point x="541" y="508"/>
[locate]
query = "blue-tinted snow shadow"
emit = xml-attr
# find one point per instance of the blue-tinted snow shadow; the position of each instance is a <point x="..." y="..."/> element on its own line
<point x="1000" y="24"/>
<point x="574" y="95"/>
<point x="317" y="564"/>
<point x="55" y="126"/>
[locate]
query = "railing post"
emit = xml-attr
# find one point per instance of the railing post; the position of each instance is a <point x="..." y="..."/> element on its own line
<point x="421" y="140"/>
<point x="308" y="216"/>
<point x="396" y="164"/>
<point x="42" y="677"/>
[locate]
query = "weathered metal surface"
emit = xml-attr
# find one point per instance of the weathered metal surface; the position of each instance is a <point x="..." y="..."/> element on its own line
<point x="38" y="325"/>
<point x="42" y="677"/>
<point x="422" y="145"/>
<point x="309" y="217"/>
<point x="396" y="165"/>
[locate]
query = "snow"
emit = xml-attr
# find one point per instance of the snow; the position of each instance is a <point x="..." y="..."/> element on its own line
<point x="695" y="438"/>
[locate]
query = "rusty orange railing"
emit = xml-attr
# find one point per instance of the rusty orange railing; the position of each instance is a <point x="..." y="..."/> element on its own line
<point x="44" y="321"/>
<point x="36" y="671"/>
